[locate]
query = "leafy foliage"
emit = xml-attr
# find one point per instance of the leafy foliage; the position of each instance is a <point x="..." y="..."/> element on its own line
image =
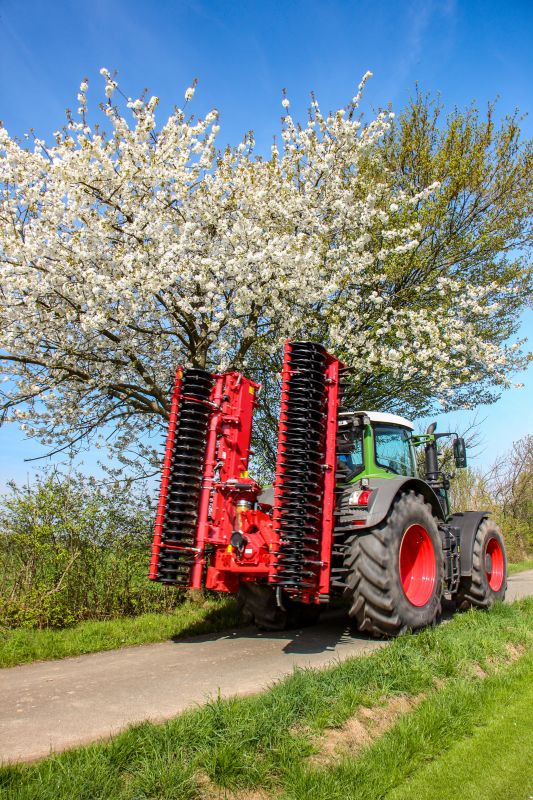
<point x="72" y="550"/>
<point x="506" y="489"/>
<point x="475" y="232"/>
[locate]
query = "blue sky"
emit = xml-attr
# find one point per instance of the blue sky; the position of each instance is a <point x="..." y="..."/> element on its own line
<point x="244" y="54"/>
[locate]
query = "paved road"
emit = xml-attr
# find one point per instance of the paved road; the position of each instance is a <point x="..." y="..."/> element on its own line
<point x="54" y="705"/>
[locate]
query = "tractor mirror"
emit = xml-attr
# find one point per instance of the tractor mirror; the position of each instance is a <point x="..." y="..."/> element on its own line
<point x="459" y="453"/>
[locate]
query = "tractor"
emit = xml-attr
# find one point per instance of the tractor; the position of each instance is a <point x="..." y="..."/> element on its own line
<point x="348" y="513"/>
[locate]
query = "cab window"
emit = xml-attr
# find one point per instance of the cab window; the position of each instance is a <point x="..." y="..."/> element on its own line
<point x="353" y="462"/>
<point x="393" y="449"/>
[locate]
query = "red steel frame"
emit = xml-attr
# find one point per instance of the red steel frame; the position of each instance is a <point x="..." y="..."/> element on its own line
<point x="165" y="475"/>
<point x="210" y="462"/>
<point x="326" y="544"/>
<point x="233" y="485"/>
<point x="225" y="477"/>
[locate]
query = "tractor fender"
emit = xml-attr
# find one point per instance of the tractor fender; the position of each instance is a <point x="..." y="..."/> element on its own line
<point x="468" y="522"/>
<point x="384" y="493"/>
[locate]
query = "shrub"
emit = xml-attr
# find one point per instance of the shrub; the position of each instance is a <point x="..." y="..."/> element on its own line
<point x="71" y="549"/>
<point x="506" y="490"/>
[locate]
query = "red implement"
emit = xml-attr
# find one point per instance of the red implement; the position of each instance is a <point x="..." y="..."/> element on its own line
<point x="211" y="528"/>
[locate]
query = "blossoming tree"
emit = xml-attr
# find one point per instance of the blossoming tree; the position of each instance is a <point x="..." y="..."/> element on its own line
<point x="125" y="254"/>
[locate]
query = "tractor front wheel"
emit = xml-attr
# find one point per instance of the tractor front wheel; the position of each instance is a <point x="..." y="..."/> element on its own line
<point x="395" y="571"/>
<point x="258" y="604"/>
<point x="488" y="581"/>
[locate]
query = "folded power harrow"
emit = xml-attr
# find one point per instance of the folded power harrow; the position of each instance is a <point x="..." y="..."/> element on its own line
<point x="212" y="527"/>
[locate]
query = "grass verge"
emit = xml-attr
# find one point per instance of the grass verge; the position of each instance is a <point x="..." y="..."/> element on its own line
<point x="520" y="566"/>
<point x="470" y="739"/>
<point x="191" y="618"/>
<point x="230" y="748"/>
<point x="496" y="759"/>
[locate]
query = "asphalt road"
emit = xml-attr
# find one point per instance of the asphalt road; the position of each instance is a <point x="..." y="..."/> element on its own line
<point x="54" y="705"/>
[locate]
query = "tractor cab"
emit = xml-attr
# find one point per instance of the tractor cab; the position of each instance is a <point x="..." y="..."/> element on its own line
<point x="374" y="444"/>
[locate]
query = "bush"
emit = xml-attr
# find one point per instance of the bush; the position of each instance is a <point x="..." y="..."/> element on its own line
<point x="506" y="490"/>
<point x="71" y="549"/>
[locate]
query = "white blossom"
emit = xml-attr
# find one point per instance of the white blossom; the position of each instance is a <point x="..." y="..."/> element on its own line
<point x="123" y="255"/>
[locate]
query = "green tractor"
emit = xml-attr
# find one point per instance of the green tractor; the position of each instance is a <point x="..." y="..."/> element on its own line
<point x="348" y="514"/>
<point x="394" y="575"/>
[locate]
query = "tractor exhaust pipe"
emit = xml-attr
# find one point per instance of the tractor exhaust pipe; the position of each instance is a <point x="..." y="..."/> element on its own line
<point x="430" y="451"/>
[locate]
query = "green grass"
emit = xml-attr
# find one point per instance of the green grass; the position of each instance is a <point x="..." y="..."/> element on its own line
<point x="520" y="566"/>
<point x="191" y="618"/>
<point x="264" y="741"/>
<point x="496" y="760"/>
<point x="432" y="753"/>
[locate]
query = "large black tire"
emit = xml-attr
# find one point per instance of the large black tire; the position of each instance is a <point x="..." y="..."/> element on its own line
<point x="488" y="581"/>
<point x="377" y="560"/>
<point x="257" y="603"/>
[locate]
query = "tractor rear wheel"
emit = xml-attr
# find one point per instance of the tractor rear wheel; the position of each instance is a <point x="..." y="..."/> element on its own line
<point x="488" y="581"/>
<point x="258" y="604"/>
<point x="395" y="571"/>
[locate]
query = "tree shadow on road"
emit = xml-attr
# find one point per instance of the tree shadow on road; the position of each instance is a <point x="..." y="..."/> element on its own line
<point x="334" y="629"/>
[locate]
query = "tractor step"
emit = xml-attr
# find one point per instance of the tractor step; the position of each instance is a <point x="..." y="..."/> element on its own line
<point x="451" y="545"/>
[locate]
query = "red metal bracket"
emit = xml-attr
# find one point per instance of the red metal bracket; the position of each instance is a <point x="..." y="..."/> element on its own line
<point x="210" y="462"/>
<point x="326" y="545"/>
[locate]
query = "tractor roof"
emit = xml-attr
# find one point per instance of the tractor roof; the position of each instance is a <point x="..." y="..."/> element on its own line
<point x="387" y="419"/>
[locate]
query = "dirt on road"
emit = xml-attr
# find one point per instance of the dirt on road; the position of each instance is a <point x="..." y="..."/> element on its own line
<point x="52" y="706"/>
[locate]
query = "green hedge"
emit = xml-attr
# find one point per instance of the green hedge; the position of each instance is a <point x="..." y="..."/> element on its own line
<point x="71" y="550"/>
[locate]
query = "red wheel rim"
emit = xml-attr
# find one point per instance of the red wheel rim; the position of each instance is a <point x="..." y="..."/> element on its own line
<point x="494" y="564"/>
<point x="418" y="565"/>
